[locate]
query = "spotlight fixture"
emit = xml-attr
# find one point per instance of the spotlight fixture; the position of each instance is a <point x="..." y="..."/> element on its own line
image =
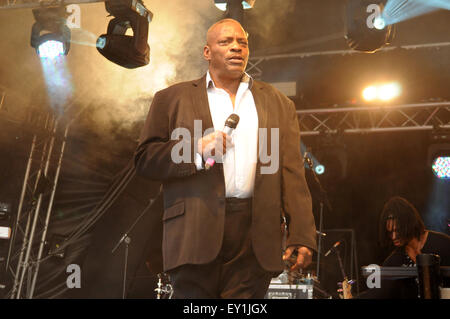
<point x="439" y="153"/>
<point x="5" y="232"/>
<point x="366" y="28"/>
<point x="222" y="4"/>
<point x="319" y="169"/>
<point x="234" y="8"/>
<point x="127" y="51"/>
<point x="50" y="35"/>
<point x="379" y="23"/>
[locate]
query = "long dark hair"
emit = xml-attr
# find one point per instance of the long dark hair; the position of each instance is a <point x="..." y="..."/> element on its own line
<point x="407" y="219"/>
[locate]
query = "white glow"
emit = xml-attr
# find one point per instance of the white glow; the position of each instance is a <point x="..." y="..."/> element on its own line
<point x="51" y="49"/>
<point x="441" y="167"/>
<point x="389" y="91"/>
<point x="101" y="42"/>
<point x="370" y="93"/>
<point x="245" y="4"/>
<point x="221" y="6"/>
<point x="379" y="23"/>
<point x="320" y="169"/>
<point x="5" y="232"/>
<point x="382" y="92"/>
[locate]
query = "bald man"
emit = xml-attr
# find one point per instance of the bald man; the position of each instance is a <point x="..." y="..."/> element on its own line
<point x="221" y="223"/>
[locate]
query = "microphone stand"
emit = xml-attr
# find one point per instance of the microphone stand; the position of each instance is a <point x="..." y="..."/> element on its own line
<point x="323" y="198"/>
<point x="127" y="240"/>
<point x="346" y="284"/>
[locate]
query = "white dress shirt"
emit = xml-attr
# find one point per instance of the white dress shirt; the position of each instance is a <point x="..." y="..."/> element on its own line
<point x="239" y="162"/>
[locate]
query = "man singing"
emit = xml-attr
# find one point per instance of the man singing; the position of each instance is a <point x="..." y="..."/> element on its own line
<point x="221" y="224"/>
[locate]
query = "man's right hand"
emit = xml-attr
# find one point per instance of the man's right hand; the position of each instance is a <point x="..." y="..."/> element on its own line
<point x="214" y="144"/>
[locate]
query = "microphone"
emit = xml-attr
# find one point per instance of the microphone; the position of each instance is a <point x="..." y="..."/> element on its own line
<point x="230" y="124"/>
<point x="307" y="160"/>
<point x="320" y="233"/>
<point x="333" y="248"/>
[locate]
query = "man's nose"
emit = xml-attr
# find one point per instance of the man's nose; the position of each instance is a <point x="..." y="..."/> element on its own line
<point x="235" y="46"/>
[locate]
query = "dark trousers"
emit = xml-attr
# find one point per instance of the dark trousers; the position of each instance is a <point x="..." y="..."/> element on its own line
<point x="235" y="273"/>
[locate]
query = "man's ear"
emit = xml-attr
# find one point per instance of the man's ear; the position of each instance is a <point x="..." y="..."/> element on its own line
<point x="206" y="53"/>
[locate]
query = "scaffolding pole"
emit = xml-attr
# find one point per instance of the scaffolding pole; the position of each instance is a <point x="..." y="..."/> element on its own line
<point x="35" y="270"/>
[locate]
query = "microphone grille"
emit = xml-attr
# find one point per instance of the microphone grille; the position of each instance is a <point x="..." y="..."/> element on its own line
<point x="232" y="121"/>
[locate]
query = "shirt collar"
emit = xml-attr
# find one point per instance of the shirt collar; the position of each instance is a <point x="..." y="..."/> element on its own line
<point x="246" y="78"/>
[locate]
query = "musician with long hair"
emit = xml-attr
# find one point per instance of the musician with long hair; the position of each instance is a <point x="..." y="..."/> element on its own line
<point x="402" y="232"/>
<point x="402" y="227"/>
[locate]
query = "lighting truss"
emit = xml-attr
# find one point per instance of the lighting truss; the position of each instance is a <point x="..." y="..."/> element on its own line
<point x="29" y="229"/>
<point x="31" y="4"/>
<point x="373" y="119"/>
<point x="256" y="66"/>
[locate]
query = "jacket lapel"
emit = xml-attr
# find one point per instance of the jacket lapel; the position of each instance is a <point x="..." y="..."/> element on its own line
<point x="260" y="102"/>
<point x="261" y="108"/>
<point x="200" y="103"/>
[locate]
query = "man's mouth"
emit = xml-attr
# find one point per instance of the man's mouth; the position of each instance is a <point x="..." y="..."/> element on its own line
<point x="236" y="59"/>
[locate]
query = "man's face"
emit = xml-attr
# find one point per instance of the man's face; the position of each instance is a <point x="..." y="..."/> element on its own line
<point x="227" y="50"/>
<point x="391" y="228"/>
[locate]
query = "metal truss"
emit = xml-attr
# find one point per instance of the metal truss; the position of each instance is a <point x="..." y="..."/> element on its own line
<point x="29" y="229"/>
<point x="30" y="224"/>
<point x="255" y="68"/>
<point x="32" y="4"/>
<point x="373" y="119"/>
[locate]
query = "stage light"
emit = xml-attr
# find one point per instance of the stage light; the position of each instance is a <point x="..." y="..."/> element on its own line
<point x="332" y="158"/>
<point x="370" y="93"/>
<point x="379" y="23"/>
<point x="50" y="35"/>
<point x="310" y="161"/>
<point x="222" y="4"/>
<point x="439" y="153"/>
<point x="50" y="49"/>
<point x="127" y="51"/>
<point x="5" y="232"/>
<point x="441" y="167"/>
<point x="382" y="92"/>
<point x="388" y="91"/>
<point x="366" y="28"/>
<point x="319" y="169"/>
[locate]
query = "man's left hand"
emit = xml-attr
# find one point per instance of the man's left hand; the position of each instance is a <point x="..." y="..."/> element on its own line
<point x="304" y="256"/>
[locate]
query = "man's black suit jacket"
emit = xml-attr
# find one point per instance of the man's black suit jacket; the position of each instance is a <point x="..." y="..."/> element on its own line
<point x="194" y="201"/>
